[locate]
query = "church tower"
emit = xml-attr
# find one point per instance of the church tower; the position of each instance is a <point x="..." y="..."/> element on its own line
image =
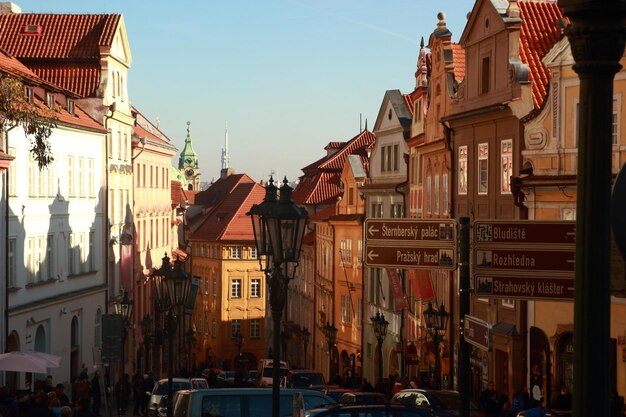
<point x="188" y="164"/>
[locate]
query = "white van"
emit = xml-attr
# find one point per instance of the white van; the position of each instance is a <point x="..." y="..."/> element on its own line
<point x="266" y="372"/>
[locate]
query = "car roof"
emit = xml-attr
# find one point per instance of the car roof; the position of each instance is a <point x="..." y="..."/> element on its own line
<point x="164" y="380"/>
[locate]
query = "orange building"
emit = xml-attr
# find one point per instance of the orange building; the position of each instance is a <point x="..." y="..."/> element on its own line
<point x="231" y="296"/>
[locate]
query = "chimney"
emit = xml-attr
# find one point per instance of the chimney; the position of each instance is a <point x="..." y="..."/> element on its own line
<point x="9" y="8"/>
<point x="226" y="172"/>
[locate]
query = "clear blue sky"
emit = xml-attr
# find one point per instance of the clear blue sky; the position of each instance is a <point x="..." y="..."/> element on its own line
<point x="287" y="76"/>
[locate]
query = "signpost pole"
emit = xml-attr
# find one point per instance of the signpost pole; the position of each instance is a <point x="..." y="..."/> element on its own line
<point x="464" y="309"/>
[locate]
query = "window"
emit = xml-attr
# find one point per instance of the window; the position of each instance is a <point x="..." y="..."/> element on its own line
<point x="253" y="253"/>
<point x="81" y="179"/>
<point x="206" y="325"/>
<point x="214" y="328"/>
<point x="30" y="259"/>
<point x="462" y="170"/>
<point x="485" y="76"/>
<point x="70" y="176"/>
<point x="383" y="151"/>
<point x="483" y="168"/>
<point x="92" y="251"/>
<point x="377" y="210"/>
<point x="50" y="100"/>
<point x="11" y="259"/>
<point x="40" y="266"/>
<point x="70" y="107"/>
<point x="397" y="211"/>
<point x="351" y="196"/>
<point x="214" y="287"/>
<point x="50" y="257"/>
<point x="235" y="252"/>
<point x="395" y="157"/>
<point x="359" y="251"/>
<point x="444" y="194"/>
<point x="506" y="165"/>
<point x="235" y="327"/>
<point x="90" y="177"/>
<point x="428" y="195"/>
<point x="436" y="195"/>
<point x="346" y="309"/>
<point x="615" y="128"/>
<point x="508" y="303"/>
<point x="12" y="175"/>
<point x="235" y="288"/>
<point x="255" y="288"/>
<point x="28" y="92"/>
<point x="255" y="328"/>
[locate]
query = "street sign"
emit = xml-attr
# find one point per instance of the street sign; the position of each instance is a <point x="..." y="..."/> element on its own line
<point x="527" y="259"/>
<point x="527" y="232"/>
<point x="477" y="333"/>
<point x="524" y="287"/>
<point x="395" y="256"/>
<point x="410" y="231"/>
<point x="524" y="259"/>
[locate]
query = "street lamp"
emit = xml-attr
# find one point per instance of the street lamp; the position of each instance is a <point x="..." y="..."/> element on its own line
<point x="278" y="227"/>
<point x="172" y="287"/>
<point x="123" y="307"/>
<point x="330" y="331"/>
<point x="436" y="323"/>
<point x="306" y="335"/>
<point x="380" y="331"/>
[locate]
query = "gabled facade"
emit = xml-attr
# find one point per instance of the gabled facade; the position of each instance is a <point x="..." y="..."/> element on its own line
<point x="232" y="292"/>
<point x="90" y="56"/>
<point x="504" y="83"/>
<point x="385" y="196"/>
<point x="547" y="188"/>
<point x="55" y="237"/>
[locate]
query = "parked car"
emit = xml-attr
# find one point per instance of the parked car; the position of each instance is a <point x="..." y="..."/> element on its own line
<point x="301" y="378"/>
<point x="160" y="389"/>
<point x="550" y="413"/>
<point x="386" y="410"/>
<point x="242" y="402"/>
<point x="335" y="392"/>
<point x="443" y="403"/>
<point x="362" y="398"/>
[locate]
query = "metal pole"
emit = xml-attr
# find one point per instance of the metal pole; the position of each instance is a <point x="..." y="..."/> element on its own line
<point x="380" y="359"/>
<point x="305" y="356"/>
<point x="170" y="360"/>
<point x="277" y="303"/>
<point x="330" y="360"/>
<point x="437" y="378"/>
<point x="464" y="308"/>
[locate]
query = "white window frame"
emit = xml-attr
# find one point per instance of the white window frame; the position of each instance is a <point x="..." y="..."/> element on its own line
<point x="12" y="262"/>
<point x="255" y="288"/>
<point x="482" y="168"/>
<point x="445" y="202"/>
<point x="436" y="195"/>
<point x="428" y="195"/>
<point x="71" y="188"/>
<point x="235" y="287"/>
<point x="462" y="174"/>
<point x="506" y="165"/>
<point x="253" y="252"/>
<point x="346" y="309"/>
<point x="616" y="125"/>
<point x="235" y="252"/>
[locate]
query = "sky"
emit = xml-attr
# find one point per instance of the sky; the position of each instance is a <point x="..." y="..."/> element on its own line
<point x="285" y="77"/>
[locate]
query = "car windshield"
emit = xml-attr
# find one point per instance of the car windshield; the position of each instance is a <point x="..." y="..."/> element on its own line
<point x="307" y="379"/>
<point x="161" y="388"/>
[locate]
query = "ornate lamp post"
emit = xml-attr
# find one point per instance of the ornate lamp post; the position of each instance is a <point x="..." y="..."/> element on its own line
<point x="146" y="331"/>
<point x="306" y="335"/>
<point x="172" y="287"/>
<point x="330" y="331"/>
<point x="436" y="323"/>
<point x="279" y="227"/>
<point x="123" y="307"/>
<point x="380" y="331"/>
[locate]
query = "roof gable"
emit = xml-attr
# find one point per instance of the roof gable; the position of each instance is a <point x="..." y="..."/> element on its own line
<point x="395" y="102"/>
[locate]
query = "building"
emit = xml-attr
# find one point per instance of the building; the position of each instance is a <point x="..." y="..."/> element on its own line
<point x="385" y="196"/>
<point x="188" y="163"/>
<point x="232" y="292"/>
<point x="56" y="219"/>
<point x="504" y="84"/>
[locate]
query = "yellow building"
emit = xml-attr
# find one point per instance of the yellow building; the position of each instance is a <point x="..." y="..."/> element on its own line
<point x="547" y="187"/>
<point x="229" y="314"/>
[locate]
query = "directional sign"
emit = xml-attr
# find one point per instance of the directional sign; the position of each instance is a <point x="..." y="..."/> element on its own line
<point x="383" y="255"/>
<point x="533" y="232"/>
<point x="477" y="333"/>
<point x="524" y="259"/>
<point x="527" y="259"/>
<point x="411" y="231"/>
<point x="524" y="287"/>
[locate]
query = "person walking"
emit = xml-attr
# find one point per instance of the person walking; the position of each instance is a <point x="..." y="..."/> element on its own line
<point x="137" y="383"/>
<point x="122" y="390"/>
<point x="82" y="388"/>
<point x="536" y="409"/>
<point x="96" y="394"/>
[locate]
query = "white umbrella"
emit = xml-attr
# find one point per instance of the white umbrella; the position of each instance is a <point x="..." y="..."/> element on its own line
<point x="35" y="362"/>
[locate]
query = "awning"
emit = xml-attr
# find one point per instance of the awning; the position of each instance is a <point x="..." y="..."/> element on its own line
<point x="422" y="284"/>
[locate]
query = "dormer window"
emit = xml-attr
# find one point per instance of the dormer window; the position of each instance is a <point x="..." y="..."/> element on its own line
<point x="70" y="107"/>
<point x="31" y="30"/>
<point x="28" y="92"/>
<point x="50" y="100"/>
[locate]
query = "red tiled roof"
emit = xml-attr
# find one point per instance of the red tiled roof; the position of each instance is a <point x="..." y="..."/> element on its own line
<point x="309" y="238"/>
<point x="538" y="35"/>
<point x="141" y="132"/>
<point x="228" y="220"/>
<point x="81" y="78"/>
<point x="190" y="196"/>
<point x="15" y="68"/>
<point x="458" y="56"/>
<point x="61" y="36"/>
<point x="320" y="182"/>
<point x="334" y="145"/>
<point x="220" y="189"/>
<point x="408" y="98"/>
<point x="176" y="192"/>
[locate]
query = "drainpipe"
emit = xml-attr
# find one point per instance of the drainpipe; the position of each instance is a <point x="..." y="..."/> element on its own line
<point x="111" y="108"/>
<point x="403" y="312"/>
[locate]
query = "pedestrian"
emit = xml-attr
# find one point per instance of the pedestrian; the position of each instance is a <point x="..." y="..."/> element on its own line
<point x="39" y="408"/>
<point x="521" y="400"/>
<point x="488" y="399"/>
<point x="59" y="389"/>
<point x="536" y="410"/>
<point x="123" y="389"/>
<point x="55" y="406"/>
<point x="146" y="390"/>
<point x="82" y="388"/>
<point x="96" y="394"/>
<point x="137" y="383"/>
